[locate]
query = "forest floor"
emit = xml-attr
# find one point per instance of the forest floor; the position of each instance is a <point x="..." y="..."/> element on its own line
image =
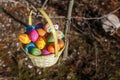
<point x="93" y="54"/>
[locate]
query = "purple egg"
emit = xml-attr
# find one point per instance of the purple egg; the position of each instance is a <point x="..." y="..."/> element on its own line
<point x="39" y="25"/>
<point x="45" y="52"/>
<point x="33" y="35"/>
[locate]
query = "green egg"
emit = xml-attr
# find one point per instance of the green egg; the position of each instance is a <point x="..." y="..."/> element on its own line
<point x="36" y="51"/>
<point x="50" y="38"/>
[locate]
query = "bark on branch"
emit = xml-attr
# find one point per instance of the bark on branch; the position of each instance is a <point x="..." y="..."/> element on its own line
<point x="68" y="28"/>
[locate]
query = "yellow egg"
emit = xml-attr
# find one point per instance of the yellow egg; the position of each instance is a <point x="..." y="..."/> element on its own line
<point x="24" y="38"/>
<point x="40" y="43"/>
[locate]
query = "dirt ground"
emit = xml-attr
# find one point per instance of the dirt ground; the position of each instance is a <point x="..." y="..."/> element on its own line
<point x="93" y="53"/>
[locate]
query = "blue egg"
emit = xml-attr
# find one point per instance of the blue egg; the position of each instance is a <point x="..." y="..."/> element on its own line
<point x="29" y="28"/>
<point x="39" y="25"/>
<point x="29" y="46"/>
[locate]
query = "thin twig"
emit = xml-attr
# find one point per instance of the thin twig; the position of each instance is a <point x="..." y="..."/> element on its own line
<point x="35" y="13"/>
<point x="96" y="56"/>
<point x="77" y="29"/>
<point x="85" y="18"/>
<point x="73" y="17"/>
<point x="44" y="4"/>
<point x="101" y="16"/>
<point x="68" y="28"/>
<point x="114" y="10"/>
<point x="54" y="17"/>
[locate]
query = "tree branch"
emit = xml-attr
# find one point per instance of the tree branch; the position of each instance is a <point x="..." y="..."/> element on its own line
<point x="68" y="28"/>
<point x="44" y="4"/>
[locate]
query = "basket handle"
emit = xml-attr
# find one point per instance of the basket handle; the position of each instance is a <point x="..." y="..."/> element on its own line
<point x="51" y="26"/>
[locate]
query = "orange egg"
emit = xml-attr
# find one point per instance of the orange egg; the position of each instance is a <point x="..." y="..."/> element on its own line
<point x="51" y="48"/>
<point x="61" y="44"/>
<point x="41" y="32"/>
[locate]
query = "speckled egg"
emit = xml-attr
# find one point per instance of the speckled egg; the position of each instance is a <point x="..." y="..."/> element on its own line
<point x="29" y="46"/>
<point x="35" y="51"/>
<point x="33" y="35"/>
<point x="40" y="43"/>
<point x="24" y="38"/>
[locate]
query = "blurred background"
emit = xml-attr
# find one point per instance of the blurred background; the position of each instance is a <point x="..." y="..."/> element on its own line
<point x="93" y="54"/>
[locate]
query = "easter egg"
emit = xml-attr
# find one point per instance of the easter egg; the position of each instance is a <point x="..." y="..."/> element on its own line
<point x="39" y="25"/>
<point x="45" y="52"/>
<point x="33" y="35"/>
<point x="50" y="38"/>
<point x="29" y="46"/>
<point x="47" y="28"/>
<point x="24" y="38"/>
<point x="51" y="48"/>
<point x="36" y="51"/>
<point x="41" y="32"/>
<point x="61" y="43"/>
<point x="40" y="43"/>
<point x="29" y="28"/>
<point x="60" y="34"/>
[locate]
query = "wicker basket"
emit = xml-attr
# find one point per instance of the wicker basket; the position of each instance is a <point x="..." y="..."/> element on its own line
<point x="47" y="60"/>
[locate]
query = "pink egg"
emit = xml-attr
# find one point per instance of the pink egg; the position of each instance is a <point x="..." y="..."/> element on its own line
<point x="47" y="28"/>
<point x="33" y="35"/>
<point x="45" y="52"/>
